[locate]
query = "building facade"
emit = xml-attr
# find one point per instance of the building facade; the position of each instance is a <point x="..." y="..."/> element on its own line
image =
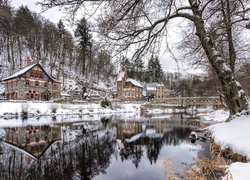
<point x="127" y="88"/>
<point x="157" y="90"/>
<point x="31" y="83"/>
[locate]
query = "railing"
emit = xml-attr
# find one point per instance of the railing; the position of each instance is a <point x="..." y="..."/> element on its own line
<point x="192" y="101"/>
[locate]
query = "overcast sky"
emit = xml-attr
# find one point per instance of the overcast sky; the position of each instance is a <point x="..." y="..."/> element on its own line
<point x="55" y="15"/>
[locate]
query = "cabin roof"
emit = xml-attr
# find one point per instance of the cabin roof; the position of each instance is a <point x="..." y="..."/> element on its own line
<point x="134" y="82"/>
<point x="26" y="69"/>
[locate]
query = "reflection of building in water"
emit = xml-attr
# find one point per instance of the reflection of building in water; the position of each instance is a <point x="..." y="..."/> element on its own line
<point x="128" y="129"/>
<point x="33" y="139"/>
<point x="151" y="129"/>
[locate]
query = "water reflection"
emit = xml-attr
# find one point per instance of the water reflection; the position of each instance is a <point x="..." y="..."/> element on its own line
<point x="33" y="139"/>
<point x="90" y="149"/>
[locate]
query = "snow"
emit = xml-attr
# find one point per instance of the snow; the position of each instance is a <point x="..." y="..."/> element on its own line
<point x="2" y="133"/>
<point x="24" y="70"/>
<point x="134" y="82"/>
<point x="20" y="72"/>
<point x="121" y="76"/>
<point x="1" y="89"/>
<point x="134" y="138"/>
<point x="226" y="68"/>
<point x="12" y="109"/>
<point x="238" y="171"/>
<point x="234" y="134"/>
<point x="219" y="115"/>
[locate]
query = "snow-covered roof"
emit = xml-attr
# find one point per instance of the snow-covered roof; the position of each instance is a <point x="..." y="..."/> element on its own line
<point x="65" y="95"/>
<point x="134" y="82"/>
<point x="25" y="69"/>
<point x="158" y="85"/>
<point x="19" y="73"/>
<point x="149" y="88"/>
<point x="121" y="75"/>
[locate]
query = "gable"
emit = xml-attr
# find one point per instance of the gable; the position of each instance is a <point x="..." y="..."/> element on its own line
<point x="29" y="69"/>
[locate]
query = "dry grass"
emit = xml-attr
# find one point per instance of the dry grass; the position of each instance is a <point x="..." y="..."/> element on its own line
<point x="207" y="169"/>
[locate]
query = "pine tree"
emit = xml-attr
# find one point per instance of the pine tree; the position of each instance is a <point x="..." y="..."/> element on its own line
<point x="82" y="32"/>
<point x="155" y="72"/>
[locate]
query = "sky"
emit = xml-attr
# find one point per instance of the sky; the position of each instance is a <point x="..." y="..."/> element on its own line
<point x="54" y="15"/>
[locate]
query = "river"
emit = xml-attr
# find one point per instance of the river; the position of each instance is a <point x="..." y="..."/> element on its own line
<point x="103" y="149"/>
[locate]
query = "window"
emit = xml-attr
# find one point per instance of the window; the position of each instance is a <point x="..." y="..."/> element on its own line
<point x="45" y="84"/>
<point x="36" y="83"/>
<point x="41" y="75"/>
<point x="54" y="87"/>
<point x="27" y="82"/>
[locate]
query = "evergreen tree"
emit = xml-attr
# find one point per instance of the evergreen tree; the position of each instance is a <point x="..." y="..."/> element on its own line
<point x="82" y="32"/>
<point x="158" y="70"/>
<point x="138" y="68"/>
<point x="155" y="72"/>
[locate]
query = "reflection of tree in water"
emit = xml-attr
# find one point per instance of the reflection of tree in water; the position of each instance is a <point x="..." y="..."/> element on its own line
<point x="153" y="149"/>
<point x="176" y="135"/>
<point x="133" y="152"/>
<point x="84" y="160"/>
<point x="93" y="157"/>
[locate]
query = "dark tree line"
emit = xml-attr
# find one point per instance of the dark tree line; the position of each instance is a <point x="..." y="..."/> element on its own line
<point x="136" y="69"/>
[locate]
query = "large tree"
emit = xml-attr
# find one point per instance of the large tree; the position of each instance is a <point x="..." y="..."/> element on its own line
<point x="141" y="23"/>
<point x="82" y="32"/>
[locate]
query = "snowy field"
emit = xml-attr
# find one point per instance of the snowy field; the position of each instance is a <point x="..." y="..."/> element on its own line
<point x="36" y="109"/>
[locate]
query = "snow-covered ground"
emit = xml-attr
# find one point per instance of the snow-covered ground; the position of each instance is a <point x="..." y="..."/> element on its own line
<point x="209" y="114"/>
<point x="235" y="135"/>
<point x="36" y="109"/>
<point x="238" y="171"/>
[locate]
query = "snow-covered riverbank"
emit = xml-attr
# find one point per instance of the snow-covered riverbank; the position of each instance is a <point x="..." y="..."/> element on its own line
<point x="235" y="135"/>
<point x="36" y="109"/>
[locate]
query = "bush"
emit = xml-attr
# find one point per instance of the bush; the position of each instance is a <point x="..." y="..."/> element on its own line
<point x="105" y="103"/>
<point x="53" y="108"/>
<point x="24" y="112"/>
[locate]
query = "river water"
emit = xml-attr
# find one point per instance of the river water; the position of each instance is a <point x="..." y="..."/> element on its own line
<point x="104" y="149"/>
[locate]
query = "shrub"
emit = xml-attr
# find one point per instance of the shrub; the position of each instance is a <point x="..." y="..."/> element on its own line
<point x="105" y="103"/>
<point x="53" y="108"/>
<point x="24" y="111"/>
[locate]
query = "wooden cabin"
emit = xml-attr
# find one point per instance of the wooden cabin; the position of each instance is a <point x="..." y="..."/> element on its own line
<point x="31" y="83"/>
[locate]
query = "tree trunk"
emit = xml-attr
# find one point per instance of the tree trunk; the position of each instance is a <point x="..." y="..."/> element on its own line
<point x="20" y="52"/>
<point x="226" y="11"/>
<point x="234" y="95"/>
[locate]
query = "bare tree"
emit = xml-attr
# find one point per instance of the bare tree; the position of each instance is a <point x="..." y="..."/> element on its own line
<point x="139" y="24"/>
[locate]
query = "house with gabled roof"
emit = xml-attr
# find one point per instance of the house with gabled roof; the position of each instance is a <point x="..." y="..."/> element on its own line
<point x="157" y="90"/>
<point x="31" y="83"/>
<point x="127" y="88"/>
